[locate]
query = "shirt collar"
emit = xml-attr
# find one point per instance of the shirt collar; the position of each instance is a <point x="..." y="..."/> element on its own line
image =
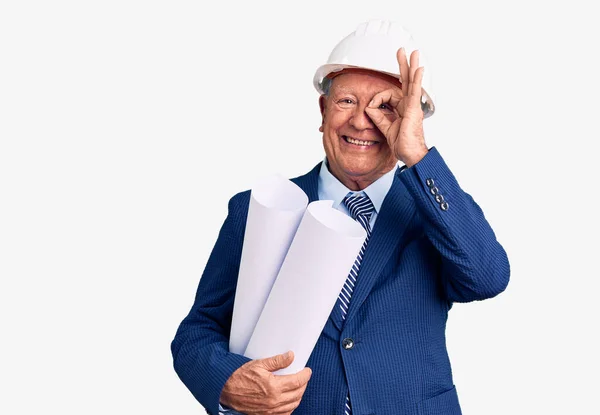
<point x="330" y="188"/>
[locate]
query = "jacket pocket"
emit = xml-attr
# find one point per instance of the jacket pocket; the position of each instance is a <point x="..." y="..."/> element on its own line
<point x="446" y="403"/>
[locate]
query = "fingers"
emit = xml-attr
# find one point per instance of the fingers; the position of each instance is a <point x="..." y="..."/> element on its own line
<point x="389" y="96"/>
<point x="287" y="391"/>
<point x="413" y="104"/>
<point x="408" y="73"/>
<point x="404" y="70"/>
<point x="416" y="84"/>
<point x="385" y="119"/>
<point x="414" y="64"/>
<point x="276" y="362"/>
<point x="284" y="383"/>
<point x="290" y="401"/>
<point x="295" y="381"/>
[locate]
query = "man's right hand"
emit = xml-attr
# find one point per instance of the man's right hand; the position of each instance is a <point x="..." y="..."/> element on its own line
<point x="254" y="390"/>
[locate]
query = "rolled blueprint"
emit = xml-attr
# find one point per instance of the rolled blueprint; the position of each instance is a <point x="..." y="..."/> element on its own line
<point x="307" y="287"/>
<point x="275" y="211"/>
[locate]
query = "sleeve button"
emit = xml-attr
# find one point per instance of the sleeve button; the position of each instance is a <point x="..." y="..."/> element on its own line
<point x="439" y="198"/>
<point x="444" y="206"/>
<point x="429" y="182"/>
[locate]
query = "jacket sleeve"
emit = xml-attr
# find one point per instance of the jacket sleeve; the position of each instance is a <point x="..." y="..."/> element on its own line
<point x="200" y="348"/>
<point x="474" y="264"/>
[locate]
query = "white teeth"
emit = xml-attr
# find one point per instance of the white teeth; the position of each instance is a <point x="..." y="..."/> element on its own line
<point x="359" y="142"/>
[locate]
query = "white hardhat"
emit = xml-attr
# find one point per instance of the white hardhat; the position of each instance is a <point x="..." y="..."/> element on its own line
<point x="373" y="45"/>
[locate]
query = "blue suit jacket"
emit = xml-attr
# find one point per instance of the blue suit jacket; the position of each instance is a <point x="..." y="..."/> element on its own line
<point x="420" y="259"/>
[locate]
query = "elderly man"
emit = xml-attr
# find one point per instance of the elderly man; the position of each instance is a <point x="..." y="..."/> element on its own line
<point x="383" y="348"/>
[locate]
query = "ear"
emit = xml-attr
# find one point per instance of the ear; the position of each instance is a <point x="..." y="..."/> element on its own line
<point x="322" y="106"/>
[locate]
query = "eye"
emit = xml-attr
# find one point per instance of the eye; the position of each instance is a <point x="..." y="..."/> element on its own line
<point x="385" y="107"/>
<point x="345" y="102"/>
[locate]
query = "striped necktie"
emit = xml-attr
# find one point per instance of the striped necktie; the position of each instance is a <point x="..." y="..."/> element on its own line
<point x="361" y="208"/>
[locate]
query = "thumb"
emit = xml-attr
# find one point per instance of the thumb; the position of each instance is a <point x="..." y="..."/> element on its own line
<point x="277" y="362"/>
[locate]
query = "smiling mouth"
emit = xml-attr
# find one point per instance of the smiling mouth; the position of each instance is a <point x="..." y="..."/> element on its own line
<point x="356" y="142"/>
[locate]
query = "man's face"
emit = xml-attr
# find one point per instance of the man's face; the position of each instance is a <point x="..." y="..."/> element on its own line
<point x="356" y="163"/>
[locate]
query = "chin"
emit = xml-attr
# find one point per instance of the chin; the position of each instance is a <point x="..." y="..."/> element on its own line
<point x="360" y="170"/>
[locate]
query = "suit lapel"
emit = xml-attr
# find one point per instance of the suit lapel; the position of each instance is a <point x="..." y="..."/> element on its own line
<point x="394" y="218"/>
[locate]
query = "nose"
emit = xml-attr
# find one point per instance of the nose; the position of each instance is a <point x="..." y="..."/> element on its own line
<point x="360" y="120"/>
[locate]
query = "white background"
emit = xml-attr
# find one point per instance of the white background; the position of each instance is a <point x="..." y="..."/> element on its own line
<point x="126" y="126"/>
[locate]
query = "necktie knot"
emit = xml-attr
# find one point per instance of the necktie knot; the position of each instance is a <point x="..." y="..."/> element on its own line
<point x="360" y="207"/>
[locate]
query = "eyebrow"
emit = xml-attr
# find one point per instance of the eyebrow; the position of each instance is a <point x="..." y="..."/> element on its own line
<point x="343" y="89"/>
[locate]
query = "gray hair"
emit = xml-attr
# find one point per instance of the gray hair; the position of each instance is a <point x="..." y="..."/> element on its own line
<point x="326" y="86"/>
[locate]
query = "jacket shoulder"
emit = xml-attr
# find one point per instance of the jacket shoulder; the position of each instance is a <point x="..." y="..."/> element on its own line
<point x="239" y="199"/>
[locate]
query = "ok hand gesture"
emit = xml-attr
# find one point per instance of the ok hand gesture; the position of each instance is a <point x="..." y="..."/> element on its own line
<point x="403" y="127"/>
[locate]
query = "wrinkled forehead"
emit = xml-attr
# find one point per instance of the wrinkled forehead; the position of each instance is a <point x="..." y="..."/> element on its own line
<point x="362" y="78"/>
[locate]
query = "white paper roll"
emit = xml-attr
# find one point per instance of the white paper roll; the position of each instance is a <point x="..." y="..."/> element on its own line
<point x="307" y="287"/>
<point x="275" y="211"/>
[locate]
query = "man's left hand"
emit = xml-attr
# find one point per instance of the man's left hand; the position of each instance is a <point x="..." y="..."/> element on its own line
<point x="402" y="125"/>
